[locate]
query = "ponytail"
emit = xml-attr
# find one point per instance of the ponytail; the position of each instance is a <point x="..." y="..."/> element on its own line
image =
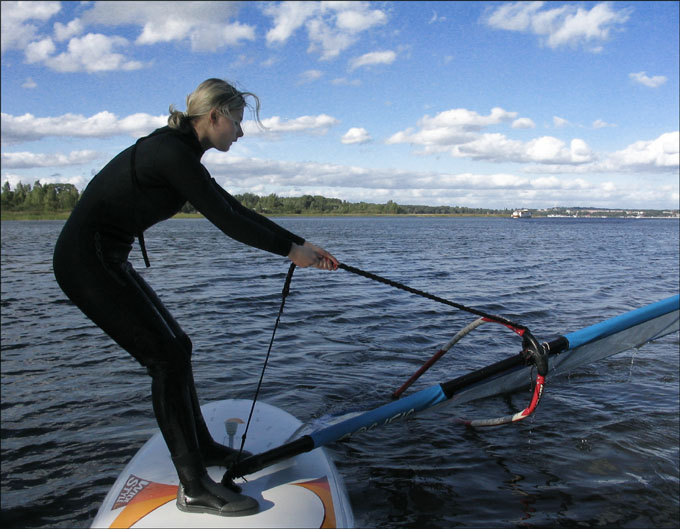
<point x="177" y="119"/>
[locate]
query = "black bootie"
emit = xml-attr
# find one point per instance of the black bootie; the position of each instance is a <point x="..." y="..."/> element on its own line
<point x="175" y="415"/>
<point x="198" y="493"/>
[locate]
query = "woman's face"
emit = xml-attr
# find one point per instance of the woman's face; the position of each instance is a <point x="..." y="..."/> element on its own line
<point x="226" y="130"/>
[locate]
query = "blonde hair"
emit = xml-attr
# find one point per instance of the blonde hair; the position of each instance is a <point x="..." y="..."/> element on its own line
<point x="212" y="94"/>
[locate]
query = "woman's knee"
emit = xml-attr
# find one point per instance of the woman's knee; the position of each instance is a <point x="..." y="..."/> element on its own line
<point x="186" y="344"/>
<point x="171" y="359"/>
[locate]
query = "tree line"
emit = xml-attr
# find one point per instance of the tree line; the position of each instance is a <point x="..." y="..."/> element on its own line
<point x="47" y="199"/>
<point x="39" y="198"/>
<point x="61" y="198"/>
<point x="273" y="204"/>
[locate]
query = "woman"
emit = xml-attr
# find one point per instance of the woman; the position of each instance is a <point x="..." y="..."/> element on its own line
<point x="141" y="186"/>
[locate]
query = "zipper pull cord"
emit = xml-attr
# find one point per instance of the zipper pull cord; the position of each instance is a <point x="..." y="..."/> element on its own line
<point x="140" y="238"/>
<point x="135" y="181"/>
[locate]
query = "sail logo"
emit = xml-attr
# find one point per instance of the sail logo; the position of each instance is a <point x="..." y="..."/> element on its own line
<point x="383" y="422"/>
<point x="132" y="487"/>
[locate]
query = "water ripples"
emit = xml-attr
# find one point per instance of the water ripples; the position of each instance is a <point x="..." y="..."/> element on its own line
<point x="601" y="450"/>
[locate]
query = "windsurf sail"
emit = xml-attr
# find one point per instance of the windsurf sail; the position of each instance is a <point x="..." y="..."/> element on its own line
<point x="565" y="353"/>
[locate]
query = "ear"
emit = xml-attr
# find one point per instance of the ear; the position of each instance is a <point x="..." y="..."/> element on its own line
<point x="213" y="115"/>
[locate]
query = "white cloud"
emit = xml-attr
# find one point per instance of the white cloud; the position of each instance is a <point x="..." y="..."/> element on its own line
<point x="496" y="190"/>
<point x="310" y="76"/>
<point x="206" y="25"/>
<point x="29" y="83"/>
<point x="332" y="27"/>
<point x="514" y="17"/>
<point x="467" y="119"/>
<point x="660" y="153"/>
<point x="457" y="132"/>
<point x="93" y="52"/>
<point x="140" y="124"/>
<point x="221" y="36"/>
<point x="17" y="129"/>
<point x="600" y="124"/>
<point x="566" y="25"/>
<point x="552" y="150"/>
<point x="544" y="150"/>
<point x="436" y="18"/>
<point x="643" y="79"/>
<point x="275" y="125"/>
<point x="17" y="31"/>
<point x="450" y="127"/>
<point x="356" y="135"/>
<point x="288" y="18"/>
<point x="253" y="172"/>
<point x="523" y="123"/>
<point x="560" y="122"/>
<point x="64" y="32"/>
<point x="39" y="51"/>
<point x="328" y="40"/>
<point x="372" y="58"/>
<point x="356" y="18"/>
<point x="90" y="53"/>
<point x="493" y="147"/>
<point x="28" y="160"/>
<point x="79" y="181"/>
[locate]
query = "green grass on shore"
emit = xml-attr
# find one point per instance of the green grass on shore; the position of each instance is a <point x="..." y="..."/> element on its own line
<point x="34" y="215"/>
<point x="63" y="215"/>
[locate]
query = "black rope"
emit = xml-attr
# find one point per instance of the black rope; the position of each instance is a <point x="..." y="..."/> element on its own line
<point x="374" y="277"/>
<point x="284" y="295"/>
<point x="427" y="295"/>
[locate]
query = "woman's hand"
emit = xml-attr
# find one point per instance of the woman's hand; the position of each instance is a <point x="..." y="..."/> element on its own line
<point x="311" y="255"/>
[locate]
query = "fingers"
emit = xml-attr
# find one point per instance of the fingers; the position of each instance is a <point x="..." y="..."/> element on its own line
<point x="333" y="261"/>
<point x="327" y="262"/>
<point x="324" y="263"/>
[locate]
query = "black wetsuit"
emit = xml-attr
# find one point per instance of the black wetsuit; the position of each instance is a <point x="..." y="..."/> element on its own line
<point x="143" y="185"/>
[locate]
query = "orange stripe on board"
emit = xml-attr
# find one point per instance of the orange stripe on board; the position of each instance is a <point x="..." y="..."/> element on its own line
<point x="149" y="499"/>
<point x="322" y="489"/>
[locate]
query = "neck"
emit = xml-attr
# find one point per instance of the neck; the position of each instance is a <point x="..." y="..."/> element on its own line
<point x="200" y="127"/>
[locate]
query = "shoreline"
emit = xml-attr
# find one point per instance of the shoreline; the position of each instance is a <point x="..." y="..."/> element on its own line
<point x="27" y="216"/>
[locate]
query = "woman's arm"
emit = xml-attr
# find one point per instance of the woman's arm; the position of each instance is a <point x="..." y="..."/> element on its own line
<point x="302" y="253"/>
<point x="256" y="217"/>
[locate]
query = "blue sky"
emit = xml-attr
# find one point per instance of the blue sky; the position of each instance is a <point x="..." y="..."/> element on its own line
<point x="478" y="104"/>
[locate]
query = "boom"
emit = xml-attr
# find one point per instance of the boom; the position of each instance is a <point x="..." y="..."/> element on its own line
<point x="630" y="330"/>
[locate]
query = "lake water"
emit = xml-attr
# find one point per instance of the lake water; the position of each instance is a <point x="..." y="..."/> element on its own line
<point x="601" y="450"/>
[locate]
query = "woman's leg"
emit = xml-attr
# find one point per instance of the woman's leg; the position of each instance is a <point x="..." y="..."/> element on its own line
<point x="119" y="301"/>
<point x="213" y="453"/>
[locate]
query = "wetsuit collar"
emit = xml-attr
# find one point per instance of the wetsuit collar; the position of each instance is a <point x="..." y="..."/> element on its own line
<point x="188" y="136"/>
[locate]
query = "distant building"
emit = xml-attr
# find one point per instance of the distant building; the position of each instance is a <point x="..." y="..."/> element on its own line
<point x="521" y="214"/>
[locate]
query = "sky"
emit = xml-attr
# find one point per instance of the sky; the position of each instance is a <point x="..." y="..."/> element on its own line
<point x="477" y="104"/>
